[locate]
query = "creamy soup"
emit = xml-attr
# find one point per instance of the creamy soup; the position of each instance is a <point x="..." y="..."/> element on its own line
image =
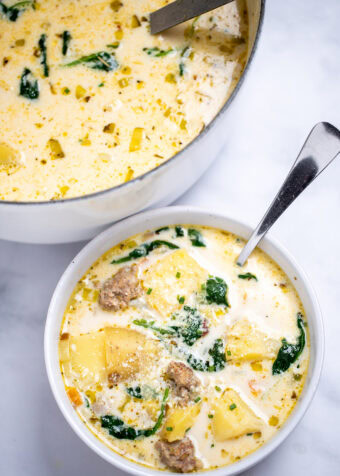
<point x="177" y="358"/>
<point x="90" y="99"/>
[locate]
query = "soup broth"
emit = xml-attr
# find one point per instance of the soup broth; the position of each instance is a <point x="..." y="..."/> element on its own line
<point x="90" y="99"/>
<point x="175" y="357"/>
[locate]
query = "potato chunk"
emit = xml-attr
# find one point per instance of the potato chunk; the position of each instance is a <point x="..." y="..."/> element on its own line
<point x="87" y="357"/>
<point x="246" y="343"/>
<point x="177" y="274"/>
<point x="179" y="421"/>
<point x="127" y="352"/>
<point x="232" y="417"/>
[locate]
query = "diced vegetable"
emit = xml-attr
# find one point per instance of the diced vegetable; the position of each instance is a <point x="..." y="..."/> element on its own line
<point x="232" y="417"/>
<point x="179" y="421"/>
<point x="87" y="356"/>
<point x="161" y="277"/>
<point x="247" y="343"/>
<point x="126" y="352"/>
<point x="136" y="139"/>
<point x="56" y="149"/>
<point x="9" y="159"/>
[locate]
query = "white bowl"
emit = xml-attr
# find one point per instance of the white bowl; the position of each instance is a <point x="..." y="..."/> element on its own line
<point x="156" y="219"/>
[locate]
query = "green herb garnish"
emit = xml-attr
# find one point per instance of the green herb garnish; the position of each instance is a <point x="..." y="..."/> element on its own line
<point x="169" y="428"/>
<point x="13" y="12"/>
<point x="29" y="86"/>
<point x="232" y="406"/>
<point x="196" y="237"/>
<point x="181" y="299"/>
<point x="43" y="50"/>
<point x="155" y="52"/>
<point x="248" y="276"/>
<point x="144" y="250"/>
<point x="149" y="291"/>
<point x="178" y="275"/>
<point x="118" y="429"/>
<point x="216" y="291"/>
<point x="150" y="325"/>
<point x="289" y="353"/>
<point x="66" y="38"/>
<point x="102" y="60"/>
<point x="210" y="416"/>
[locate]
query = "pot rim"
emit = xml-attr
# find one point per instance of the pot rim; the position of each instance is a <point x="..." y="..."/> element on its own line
<point x="172" y="159"/>
<point x="150" y="220"/>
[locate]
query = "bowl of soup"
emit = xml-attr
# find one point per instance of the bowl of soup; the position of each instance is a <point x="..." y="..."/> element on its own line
<point x="164" y="355"/>
<point x="100" y="119"/>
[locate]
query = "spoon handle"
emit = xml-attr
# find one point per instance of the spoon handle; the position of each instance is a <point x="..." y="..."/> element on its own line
<point x="320" y="149"/>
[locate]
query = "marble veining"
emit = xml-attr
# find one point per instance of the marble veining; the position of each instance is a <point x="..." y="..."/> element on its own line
<point x="293" y="83"/>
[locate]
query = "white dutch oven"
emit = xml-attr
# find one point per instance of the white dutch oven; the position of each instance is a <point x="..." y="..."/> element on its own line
<point x="81" y="218"/>
<point x="148" y="221"/>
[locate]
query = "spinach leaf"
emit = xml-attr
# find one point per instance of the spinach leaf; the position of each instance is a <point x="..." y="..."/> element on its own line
<point x="189" y="329"/>
<point x="156" y="52"/>
<point x="66" y="38"/>
<point x="118" y="429"/>
<point x="216" y="291"/>
<point x="248" y="276"/>
<point x="144" y="249"/>
<point x="43" y="50"/>
<point x="289" y="353"/>
<point x="215" y="363"/>
<point x="13" y="12"/>
<point x="29" y="86"/>
<point x="102" y="60"/>
<point x="179" y="231"/>
<point x="196" y="237"/>
<point x="135" y="392"/>
<point x="192" y="325"/>
<point x="144" y="392"/>
<point x="181" y="69"/>
<point x="160" y="230"/>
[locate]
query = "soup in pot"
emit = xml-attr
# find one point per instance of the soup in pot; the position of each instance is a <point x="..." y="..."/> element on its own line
<point x="90" y="99"/>
<point x="175" y="357"/>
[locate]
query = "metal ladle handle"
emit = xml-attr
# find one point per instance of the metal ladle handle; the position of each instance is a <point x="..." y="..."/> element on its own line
<point x="320" y="149"/>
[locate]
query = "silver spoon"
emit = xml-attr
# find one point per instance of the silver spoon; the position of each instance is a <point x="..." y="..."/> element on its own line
<point x="181" y="11"/>
<point x="321" y="147"/>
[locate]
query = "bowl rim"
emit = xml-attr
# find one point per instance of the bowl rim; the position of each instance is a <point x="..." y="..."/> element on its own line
<point x="157" y="218"/>
<point x="173" y="158"/>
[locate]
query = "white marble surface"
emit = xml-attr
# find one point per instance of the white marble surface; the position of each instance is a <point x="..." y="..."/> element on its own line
<point x="293" y="84"/>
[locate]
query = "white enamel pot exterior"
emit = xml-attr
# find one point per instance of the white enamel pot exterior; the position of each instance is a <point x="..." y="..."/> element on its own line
<point x="84" y="217"/>
<point x="152" y="220"/>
